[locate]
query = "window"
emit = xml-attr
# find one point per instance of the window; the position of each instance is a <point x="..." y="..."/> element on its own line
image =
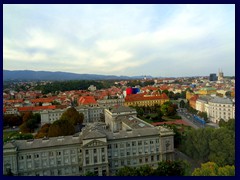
<point x="21" y="157"/>
<point x="145" y="142"/>
<point x="109" y="146"/>
<point x="87" y="160"/>
<point x="66" y="152"/>
<point x="29" y="165"/>
<point x="59" y="162"/>
<point x="51" y="161"/>
<point x="103" y="150"/>
<point x="50" y="153"/>
<point x="95" y="159"/>
<point x="128" y="144"/>
<point x="66" y="160"/>
<point x="95" y="151"/>
<point x="51" y="172"/>
<point x="139" y="143"/>
<point x="29" y="156"/>
<point x="152" y="158"/>
<point x="59" y="153"/>
<point x="146" y="159"/>
<point x="140" y="160"/>
<point x="36" y="155"/>
<point x="86" y="152"/>
<point x="44" y="163"/>
<point x="59" y="172"/>
<point x="103" y="158"/>
<point x="134" y="143"/>
<point x="73" y="159"/>
<point x="115" y="145"/>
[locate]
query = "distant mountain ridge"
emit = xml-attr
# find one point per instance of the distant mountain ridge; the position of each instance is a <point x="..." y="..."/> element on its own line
<point x="48" y="75"/>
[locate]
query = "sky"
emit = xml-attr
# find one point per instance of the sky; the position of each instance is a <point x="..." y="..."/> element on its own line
<point x="158" y="40"/>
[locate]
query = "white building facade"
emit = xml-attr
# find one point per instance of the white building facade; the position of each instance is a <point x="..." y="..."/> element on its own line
<point x="98" y="149"/>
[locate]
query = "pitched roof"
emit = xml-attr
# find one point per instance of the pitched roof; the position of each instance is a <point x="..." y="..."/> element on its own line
<point x="84" y="100"/>
<point x="143" y="97"/>
<point x="36" y="108"/>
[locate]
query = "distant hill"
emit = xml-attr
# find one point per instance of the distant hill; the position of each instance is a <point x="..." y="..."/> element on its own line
<point x="47" y="75"/>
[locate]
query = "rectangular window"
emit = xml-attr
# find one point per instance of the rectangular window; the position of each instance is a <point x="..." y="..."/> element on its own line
<point x="95" y="151"/>
<point x="152" y="158"/>
<point x="103" y="158"/>
<point x="103" y="150"/>
<point x="87" y="160"/>
<point x="95" y="159"/>
<point x="86" y="152"/>
<point x="139" y="143"/>
<point x="59" y="153"/>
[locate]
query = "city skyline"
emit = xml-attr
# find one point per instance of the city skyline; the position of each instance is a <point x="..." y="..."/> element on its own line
<point x="157" y="40"/>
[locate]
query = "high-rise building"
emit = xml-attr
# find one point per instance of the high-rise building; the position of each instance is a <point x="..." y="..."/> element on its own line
<point x="212" y="77"/>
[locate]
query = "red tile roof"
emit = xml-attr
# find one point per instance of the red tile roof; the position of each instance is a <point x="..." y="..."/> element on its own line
<point x="143" y="97"/>
<point x="43" y="100"/>
<point x="36" y="108"/>
<point x="14" y="101"/>
<point x="85" y="100"/>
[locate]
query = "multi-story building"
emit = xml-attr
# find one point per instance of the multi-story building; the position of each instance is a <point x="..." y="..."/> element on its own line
<point x="102" y="148"/>
<point x="216" y="107"/>
<point x="220" y="108"/>
<point x="201" y="103"/>
<point x="107" y="103"/>
<point x="145" y="100"/>
<point x="207" y="91"/>
<point x="213" y="77"/>
<point x="91" y="114"/>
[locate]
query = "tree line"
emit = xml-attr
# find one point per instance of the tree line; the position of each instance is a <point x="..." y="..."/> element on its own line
<point x="71" y="85"/>
<point x="209" y="144"/>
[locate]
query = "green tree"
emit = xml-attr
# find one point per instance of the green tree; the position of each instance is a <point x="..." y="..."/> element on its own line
<point x="212" y="169"/>
<point x="73" y="116"/>
<point x="127" y="171"/>
<point x="43" y="131"/>
<point x="27" y="116"/>
<point x="203" y="115"/>
<point x="172" y="168"/>
<point x="145" y="170"/>
<point x="61" y="128"/>
<point x="31" y="124"/>
<point x="23" y="128"/>
<point x="222" y="147"/>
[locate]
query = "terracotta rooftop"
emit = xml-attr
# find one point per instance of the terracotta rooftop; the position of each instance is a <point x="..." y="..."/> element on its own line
<point x="85" y="100"/>
<point x="144" y="97"/>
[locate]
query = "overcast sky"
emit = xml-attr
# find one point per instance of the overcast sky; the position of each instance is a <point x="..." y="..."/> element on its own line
<point x="157" y="40"/>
